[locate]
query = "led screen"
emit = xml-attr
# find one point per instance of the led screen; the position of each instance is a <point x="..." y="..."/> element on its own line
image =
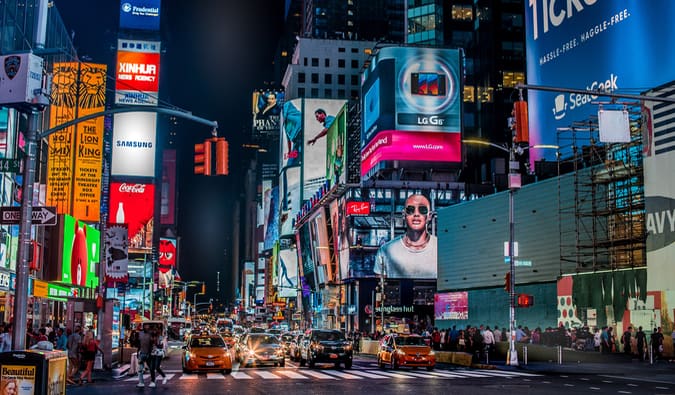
<point x="290" y="202"/>
<point x="288" y="273"/>
<point x="137" y="77"/>
<point x="451" y="306"/>
<point x="132" y="204"/>
<point x="609" y="45"/>
<point x="266" y="106"/>
<point x="140" y="14"/>
<point x="133" y="151"/>
<point x="81" y="252"/>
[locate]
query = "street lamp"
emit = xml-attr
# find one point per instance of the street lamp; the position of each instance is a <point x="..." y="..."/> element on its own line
<point x="514" y="184"/>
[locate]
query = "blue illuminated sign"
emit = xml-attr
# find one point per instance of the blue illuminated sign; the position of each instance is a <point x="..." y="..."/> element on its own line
<point x="140" y="14"/>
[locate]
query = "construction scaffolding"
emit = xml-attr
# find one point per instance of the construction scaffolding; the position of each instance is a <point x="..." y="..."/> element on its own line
<point x="602" y="226"/>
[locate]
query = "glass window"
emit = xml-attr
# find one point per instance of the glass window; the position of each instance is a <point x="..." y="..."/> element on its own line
<point x="341" y="49"/>
<point x="469" y="94"/>
<point x="354" y="94"/>
<point x="301" y="77"/>
<point x="486" y="94"/>
<point x="341" y="79"/>
<point x="326" y="62"/>
<point x="315" y="62"/>
<point x="341" y="94"/>
<point x="511" y="78"/>
<point x="354" y="79"/>
<point x="304" y="61"/>
<point x="315" y="78"/>
<point x="328" y="93"/>
<point x="301" y="92"/>
<point x="328" y="79"/>
<point x="355" y="64"/>
<point x="462" y="12"/>
<point x="315" y="92"/>
<point x="341" y="63"/>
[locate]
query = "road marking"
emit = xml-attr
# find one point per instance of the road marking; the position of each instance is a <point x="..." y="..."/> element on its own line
<point x="366" y="374"/>
<point x="189" y="376"/>
<point x="215" y="376"/>
<point x="624" y="392"/>
<point x="392" y="374"/>
<point x="415" y="374"/>
<point x="343" y="375"/>
<point x="241" y="375"/>
<point x="595" y="388"/>
<point x="318" y="375"/>
<point x="291" y="374"/>
<point x="266" y="375"/>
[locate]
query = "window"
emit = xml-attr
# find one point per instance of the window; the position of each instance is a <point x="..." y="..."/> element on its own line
<point x="341" y="49"/>
<point x="355" y="50"/>
<point x="341" y="79"/>
<point x="341" y="94"/>
<point x="354" y="94"/>
<point x="462" y="12"/>
<point x="328" y="93"/>
<point x="301" y="92"/>
<point x="315" y="92"/>
<point x="486" y="94"/>
<point x="315" y="78"/>
<point x="354" y="79"/>
<point x="511" y="78"/>
<point x="304" y="61"/>
<point x="341" y="63"/>
<point x="469" y="95"/>
<point x="355" y="64"/>
<point x="301" y="78"/>
<point x="326" y="62"/>
<point x="328" y="79"/>
<point x="315" y="62"/>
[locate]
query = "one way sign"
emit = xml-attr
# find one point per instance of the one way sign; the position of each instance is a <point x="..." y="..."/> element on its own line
<point x="40" y="216"/>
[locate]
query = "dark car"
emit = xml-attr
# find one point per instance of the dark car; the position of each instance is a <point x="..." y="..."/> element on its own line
<point x="326" y="346"/>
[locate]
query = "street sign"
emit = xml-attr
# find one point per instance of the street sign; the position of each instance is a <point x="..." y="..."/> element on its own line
<point x="10" y="165"/>
<point x="41" y="216"/>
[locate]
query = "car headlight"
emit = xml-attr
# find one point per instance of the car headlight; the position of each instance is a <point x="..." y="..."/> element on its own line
<point x="348" y="347"/>
<point x="400" y="352"/>
<point x="280" y="351"/>
<point x="431" y="353"/>
<point x="251" y="353"/>
<point x="318" y="348"/>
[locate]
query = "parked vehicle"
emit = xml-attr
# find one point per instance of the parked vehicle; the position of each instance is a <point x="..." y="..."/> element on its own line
<point x="397" y="350"/>
<point x="326" y="346"/>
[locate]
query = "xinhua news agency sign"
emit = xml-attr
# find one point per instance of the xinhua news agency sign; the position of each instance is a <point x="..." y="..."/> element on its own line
<point x="39" y="216"/>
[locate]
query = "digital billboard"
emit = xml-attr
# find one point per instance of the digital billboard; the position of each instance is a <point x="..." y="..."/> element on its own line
<point x="287" y="278"/>
<point x="140" y="14"/>
<point x="134" y="141"/>
<point x="412" y="107"/>
<point x="132" y="204"/>
<point x="81" y="252"/>
<point x="291" y="141"/>
<point x="75" y="160"/>
<point x="137" y="77"/>
<point x="166" y="262"/>
<point x="270" y="214"/>
<point x="266" y="108"/>
<point x="289" y="199"/>
<point x="451" y="306"/>
<point x="336" y="152"/>
<point x="167" y="199"/>
<point x="116" y="252"/>
<point x="320" y="247"/>
<point x="608" y="45"/>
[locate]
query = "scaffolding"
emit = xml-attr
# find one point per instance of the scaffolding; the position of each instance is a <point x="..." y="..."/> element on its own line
<point x="602" y="224"/>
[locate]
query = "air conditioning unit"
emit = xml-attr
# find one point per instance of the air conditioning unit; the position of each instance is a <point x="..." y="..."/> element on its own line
<point x="20" y="79"/>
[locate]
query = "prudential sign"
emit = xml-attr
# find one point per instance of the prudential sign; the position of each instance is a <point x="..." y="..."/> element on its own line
<point x="595" y="45"/>
<point x="140" y="14"/>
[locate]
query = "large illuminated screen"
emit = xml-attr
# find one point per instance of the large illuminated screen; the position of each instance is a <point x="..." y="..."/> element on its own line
<point x="81" y="250"/>
<point x="140" y="14"/>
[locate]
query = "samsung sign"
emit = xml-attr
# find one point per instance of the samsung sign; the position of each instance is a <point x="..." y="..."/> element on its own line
<point x="140" y="14"/>
<point x="133" y="151"/>
<point x="595" y="45"/>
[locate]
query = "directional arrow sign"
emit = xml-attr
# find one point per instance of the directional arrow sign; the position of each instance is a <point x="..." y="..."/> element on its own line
<point x="41" y="215"/>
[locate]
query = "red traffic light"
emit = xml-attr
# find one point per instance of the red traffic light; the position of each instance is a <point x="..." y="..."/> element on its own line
<point x="507" y="282"/>
<point x="222" y="153"/>
<point x="525" y="300"/>
<point x="203" y="158"/>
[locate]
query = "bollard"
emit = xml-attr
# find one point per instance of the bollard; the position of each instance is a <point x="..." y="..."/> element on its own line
<point x="525" y="355"/>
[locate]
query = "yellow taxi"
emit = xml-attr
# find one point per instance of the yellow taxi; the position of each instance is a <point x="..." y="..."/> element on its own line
<point x="398" y="350"/>
<point x="206" y="353"/>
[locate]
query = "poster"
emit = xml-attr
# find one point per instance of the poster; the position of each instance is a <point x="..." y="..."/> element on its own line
<point x="17" y="379"/>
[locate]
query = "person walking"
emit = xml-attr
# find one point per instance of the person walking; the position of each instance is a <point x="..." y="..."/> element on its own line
<point x="144" y="350"/>
<point x="641" y="342"/>
<point x="156" y="356"/>
<point x="73" y="347"/>
<point x="62" y="339"/>
<point x="626" y="340"/>
<point x="89" y="349"/>
<point x="6" y="338"/>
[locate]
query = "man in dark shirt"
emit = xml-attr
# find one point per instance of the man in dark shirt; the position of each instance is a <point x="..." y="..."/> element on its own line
<point x="144" y="348"/>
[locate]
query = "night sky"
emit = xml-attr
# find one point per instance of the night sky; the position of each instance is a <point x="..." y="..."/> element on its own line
<point x="217" y="53"/>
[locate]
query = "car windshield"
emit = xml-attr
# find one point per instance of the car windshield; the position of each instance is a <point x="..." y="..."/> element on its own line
<point x="328" y="336"/>
<point x="207" y="342"/>
<point x="410" y="341"/>
<point x="254" y="341"/>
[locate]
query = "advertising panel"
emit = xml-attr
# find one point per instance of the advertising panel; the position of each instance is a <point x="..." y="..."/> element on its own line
<point x="608" y="45"/>
<point x="18" y="379"/>
<point x="81" y="249"/>
<point x="266" y="106"/>
<point x="321" y="248"/>
<point x="137" y="78"/>
<point x="134" y="205"/>
<point x="140" y="14"/>
<point x="412" y="90"/>
<point x="167" y="200"/>
<point x="336" y="154"/>
<point x="304" y="244"/>
<point x="167" y="261"/>
<point x="451" y="306"/>
<point x="133" y="150"/>
<point x="289" y="197"/>
<point x="319" y="116"/>
<point x="287" y="277"/>
<point x="271" y="216"/>
<point x="117" y="253"/>
<point x="249" y="282"/>
<point x="291" y="138"/>
<point x="74" y="163"/>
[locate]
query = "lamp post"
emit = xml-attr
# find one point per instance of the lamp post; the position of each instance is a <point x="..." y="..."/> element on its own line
<point x="514" y="184"/>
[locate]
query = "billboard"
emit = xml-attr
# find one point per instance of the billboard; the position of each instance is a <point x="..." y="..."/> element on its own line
<point x="167" y="198"/>
<point x="140" y="14"/>
<point x="81" y="252"/>
<point x="266" y="108"/>
<point x="289" y="199"/>
<point x="287" y="279"/>
<point x="270" y="214"/>
<point x="609" y="45"/>
<point x="412" y="90"/>
<point x="336" y="154"/>
<point x="117" y="253"/>
<point x="75" y="160"/>
<point x="134" y="205"/>
<point x="134" y="141"/>
<point x="451" y="306"/>
<point x="167" y="261"/>
<point x="137" y="77"/>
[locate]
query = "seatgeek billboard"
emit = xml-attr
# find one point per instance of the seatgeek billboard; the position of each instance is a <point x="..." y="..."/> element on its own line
<point x="411" y="107"/>
<point x="595" y="45"/>
<point x="140" y="14"/>
<point x="137" y="77"/>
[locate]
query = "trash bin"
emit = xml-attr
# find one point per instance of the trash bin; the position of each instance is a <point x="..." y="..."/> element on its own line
<point x="34" y="372"/>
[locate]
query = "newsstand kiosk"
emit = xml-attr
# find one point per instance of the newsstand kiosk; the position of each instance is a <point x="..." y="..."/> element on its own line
<point x="33" y="372"/>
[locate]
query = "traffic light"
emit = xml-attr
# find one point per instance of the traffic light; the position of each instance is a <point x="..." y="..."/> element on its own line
<point x="521" y="122"/>
<point x="203" y="158"/>
<point x="525" y="300"/>
<point x="507" y="282"/>
<point x="222" y="168"/>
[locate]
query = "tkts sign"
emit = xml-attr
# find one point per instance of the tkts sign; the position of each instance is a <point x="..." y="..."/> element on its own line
<point x="132" y="204"/>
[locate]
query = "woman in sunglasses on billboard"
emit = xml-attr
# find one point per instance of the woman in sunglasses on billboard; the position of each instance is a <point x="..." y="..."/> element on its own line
<point x="413" y="254"/>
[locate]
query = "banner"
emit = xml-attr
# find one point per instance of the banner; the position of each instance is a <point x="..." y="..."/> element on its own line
<point x="117" y="253"/>
<point x="18" y="379"/>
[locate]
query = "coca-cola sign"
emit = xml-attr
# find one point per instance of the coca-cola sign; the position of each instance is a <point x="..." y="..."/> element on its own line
<point x="132" y="188"/>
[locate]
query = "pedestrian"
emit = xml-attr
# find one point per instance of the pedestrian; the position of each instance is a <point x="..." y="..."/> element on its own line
<point x="73" y="347"/>
<point x="156" y="356"/>
<point x="641" y="341"/>
<point x="89" y="349"/>
<point x="6" y="339"/>
<point x="626" y="339"/>
<point x="489" y="341"/>
<point x="657" y="343"/>
<point x="596" y="339"/>
<point x="144" y="350"/>
<point x="62" y="339"/>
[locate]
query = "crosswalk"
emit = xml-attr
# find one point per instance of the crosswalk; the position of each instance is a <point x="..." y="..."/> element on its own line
<point x="330" y="374"/>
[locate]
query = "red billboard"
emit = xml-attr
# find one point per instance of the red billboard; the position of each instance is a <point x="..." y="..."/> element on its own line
<point x="137" y="77"/>
<point x="132" y="204"/>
